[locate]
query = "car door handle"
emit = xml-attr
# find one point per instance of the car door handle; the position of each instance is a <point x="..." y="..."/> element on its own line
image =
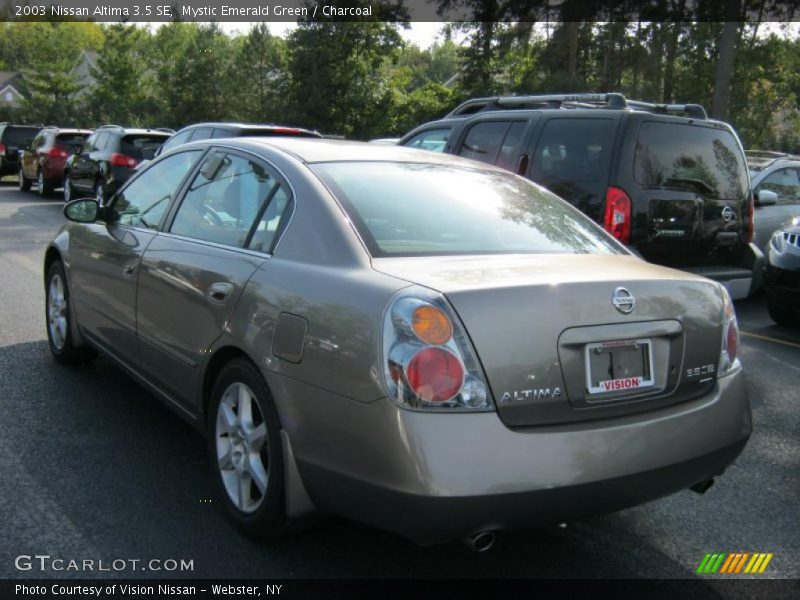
<point x="219" y="292"/>
<point x="129" y="268"/>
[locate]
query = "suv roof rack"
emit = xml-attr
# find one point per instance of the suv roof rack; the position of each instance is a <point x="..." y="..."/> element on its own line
<point x="613" y="101"/>
<point x="111" y="127"/>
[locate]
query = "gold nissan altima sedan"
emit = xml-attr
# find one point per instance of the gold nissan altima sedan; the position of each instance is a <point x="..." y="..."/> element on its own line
<point x="419" y="342"/>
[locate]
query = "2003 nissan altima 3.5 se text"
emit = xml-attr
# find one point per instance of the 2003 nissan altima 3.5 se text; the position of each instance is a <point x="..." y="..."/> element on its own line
<point x="423" y="343"/>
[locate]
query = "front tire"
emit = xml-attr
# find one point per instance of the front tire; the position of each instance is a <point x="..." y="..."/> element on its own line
<point x="24" y="182"/>
<point x="45" y="188"/>
<point x="59" y="319"/>
<point x="245" y="450"/>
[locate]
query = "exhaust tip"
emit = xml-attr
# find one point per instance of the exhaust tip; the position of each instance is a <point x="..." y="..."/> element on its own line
<point x="480" y="542"/>
<point x="703" y="486"/>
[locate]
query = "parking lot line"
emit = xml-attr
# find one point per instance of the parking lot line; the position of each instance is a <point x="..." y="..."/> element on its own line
<point x="770" y="339"/>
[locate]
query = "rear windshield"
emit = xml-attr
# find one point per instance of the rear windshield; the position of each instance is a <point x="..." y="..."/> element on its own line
<point x="19" y="136"/>
<point x="142" y="146"/>
<point x="67" y="140"/>
<point x="701" y="159"/>
<point x="410" y="209"/>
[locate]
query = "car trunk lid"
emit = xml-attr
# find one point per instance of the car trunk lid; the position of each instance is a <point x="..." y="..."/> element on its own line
<point x="535" y="320"/>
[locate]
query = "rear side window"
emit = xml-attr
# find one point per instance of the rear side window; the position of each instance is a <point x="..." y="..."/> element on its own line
<point x="225" y="199"/>
<point x="573" y="150"/>
<point x="19" y="136"/>
<point x="141" y="146"/>
<point x="432" y="139"/>
<point x="705" y="160"/>
<point x="408" y="209"/>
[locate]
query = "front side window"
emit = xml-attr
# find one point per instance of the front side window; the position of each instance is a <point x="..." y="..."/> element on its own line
<point x="695" y="158"/>
<point x="785" y="183"/>
<point x="434" y="140"/>
<point x="144" y="201"/>
<point x="410" y="209"/>
<point x="224" y="200"/>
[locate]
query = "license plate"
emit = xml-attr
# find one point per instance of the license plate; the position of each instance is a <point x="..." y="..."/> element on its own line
<point x="619" y="366"/>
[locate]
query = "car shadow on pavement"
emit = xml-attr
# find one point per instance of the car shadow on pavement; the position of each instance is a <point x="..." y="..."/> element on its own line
<point x="98" y="467"/>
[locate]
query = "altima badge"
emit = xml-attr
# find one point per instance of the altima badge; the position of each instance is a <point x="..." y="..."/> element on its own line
<point x="538" y="394"/>
<point x="623" y="300"/>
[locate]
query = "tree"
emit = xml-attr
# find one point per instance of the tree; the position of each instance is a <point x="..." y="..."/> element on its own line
<point x="336" y="84"/>
<point x="261" y="76"/>
<point x="118" y="94"/>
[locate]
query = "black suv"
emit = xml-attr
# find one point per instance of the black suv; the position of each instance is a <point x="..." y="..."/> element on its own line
<point x="107" y="159"/>
<point x="204" y="131"/>
<point x="13" y="140"/>
<point x="662" y="178"/>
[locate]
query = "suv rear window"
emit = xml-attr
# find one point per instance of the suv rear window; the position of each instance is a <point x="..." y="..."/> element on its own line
<point x="66" y="140"/>
<point x="142" y="146"/>
<point x="692" y="157"/>
<point x="410" y="209"/>
<point x="19" y="136"/>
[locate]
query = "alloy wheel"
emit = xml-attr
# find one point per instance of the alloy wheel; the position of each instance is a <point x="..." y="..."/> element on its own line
<point x="241" y="443"/>
<point x="57" y="312"/>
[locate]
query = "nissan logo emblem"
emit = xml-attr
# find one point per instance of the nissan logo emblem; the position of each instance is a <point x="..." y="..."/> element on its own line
<point x="727" y="214"/>
<point x="623" y="300"/>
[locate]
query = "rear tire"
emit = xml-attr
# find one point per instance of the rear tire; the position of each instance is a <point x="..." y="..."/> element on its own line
<point x="781" y="314"/>
<point x="58" y="316"/>
<point x="245" y="450"/>
<point x="24" y="182"/>
<point x="45" y="188"/>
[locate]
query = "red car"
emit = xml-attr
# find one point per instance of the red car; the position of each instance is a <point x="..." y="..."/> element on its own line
<point x="43" y="161"/>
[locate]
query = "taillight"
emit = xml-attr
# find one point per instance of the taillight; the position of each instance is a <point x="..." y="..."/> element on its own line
<point x="618" y="214"/>
<point x="728" y="360"/>
<point x="57" y="153"/>
<point x="428" y="361"/>
<point x="751" y="219"/>
<point x="120" y="160"/>
<point x="2" y="148"/>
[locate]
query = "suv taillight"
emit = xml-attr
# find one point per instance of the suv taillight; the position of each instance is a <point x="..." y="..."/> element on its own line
<point x="750" y="218"/>
<point x="56" y="153"/>
<point x="2" y="148"/>
<point x="617" y="220"/>
<point x="120" y="160"/>
<point x="428" y="361"/>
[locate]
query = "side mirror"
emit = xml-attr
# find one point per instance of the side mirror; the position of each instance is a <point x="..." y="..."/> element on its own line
<point x="82" y="210"/>
<point x="766" y="198"/>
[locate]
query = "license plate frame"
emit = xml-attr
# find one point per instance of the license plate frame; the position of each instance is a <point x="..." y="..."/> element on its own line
<point x="628" y="353"/>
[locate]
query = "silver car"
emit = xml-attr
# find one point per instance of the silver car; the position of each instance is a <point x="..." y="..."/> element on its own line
<point x="419" y="342"/>
<point x="776" y="187"/>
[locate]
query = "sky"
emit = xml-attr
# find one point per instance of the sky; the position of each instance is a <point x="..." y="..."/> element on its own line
<point x="421" y="33"/>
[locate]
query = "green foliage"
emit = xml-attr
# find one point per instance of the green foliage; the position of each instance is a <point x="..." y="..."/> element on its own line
<point x="361" y="80"/>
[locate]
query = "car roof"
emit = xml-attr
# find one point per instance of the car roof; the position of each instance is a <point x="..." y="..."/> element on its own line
<point x="313" y="150"/>
<point x="251" y="126"/>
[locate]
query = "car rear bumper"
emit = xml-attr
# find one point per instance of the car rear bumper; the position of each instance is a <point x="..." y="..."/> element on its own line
<point x="741" y="280"/>
<point x="433" y="477"/>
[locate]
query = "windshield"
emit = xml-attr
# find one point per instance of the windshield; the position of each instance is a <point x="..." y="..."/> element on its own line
<point x="410" y="209"/>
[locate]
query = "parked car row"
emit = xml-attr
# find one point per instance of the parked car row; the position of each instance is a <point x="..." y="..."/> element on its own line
<point x="98" y="162"/>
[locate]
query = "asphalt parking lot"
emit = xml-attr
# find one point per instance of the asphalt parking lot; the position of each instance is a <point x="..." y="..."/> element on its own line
<point x="94" y="467"/>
